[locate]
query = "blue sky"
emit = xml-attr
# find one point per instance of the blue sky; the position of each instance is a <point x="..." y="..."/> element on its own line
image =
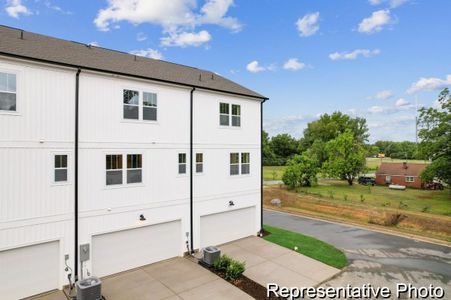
<point x="370" y="58"/>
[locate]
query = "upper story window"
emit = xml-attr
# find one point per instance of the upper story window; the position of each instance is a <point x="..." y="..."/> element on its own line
<point x="237" y="165"/>
<point x="60" y="174"/>
<point x="131" y="104"/>
<point x="182" y="163"/>
<point x="7" y="92"/>
<point x="409" y="179"/>
<point x="114" y="169"/>
<point x="225" y="113"/>
<point x="134" y="168"/>
<point x="199" y="162"/>
<point x="245" y="163"/>
<point x="236" y="115"/>
<point x="149" y="106"/>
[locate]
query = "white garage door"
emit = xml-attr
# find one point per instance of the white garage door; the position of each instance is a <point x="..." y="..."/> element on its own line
<point x="228" y="226"/>
<point x="123" y="250"/>
<point x="29" y="270"/>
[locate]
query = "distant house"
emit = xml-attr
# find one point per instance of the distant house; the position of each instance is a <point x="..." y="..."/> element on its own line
<point x="400" y="173"/>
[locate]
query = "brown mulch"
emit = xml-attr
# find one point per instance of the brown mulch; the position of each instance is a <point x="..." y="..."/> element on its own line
<point x="245" y="284"/>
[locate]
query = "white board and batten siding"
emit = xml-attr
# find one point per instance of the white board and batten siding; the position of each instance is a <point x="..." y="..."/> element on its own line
<point x="37" y="215"/>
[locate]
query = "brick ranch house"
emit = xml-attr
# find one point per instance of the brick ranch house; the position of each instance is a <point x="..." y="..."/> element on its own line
<point x="401" y="174"/>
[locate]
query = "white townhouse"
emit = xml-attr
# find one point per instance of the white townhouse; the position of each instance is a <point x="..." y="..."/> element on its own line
<point x="109" y="161"/>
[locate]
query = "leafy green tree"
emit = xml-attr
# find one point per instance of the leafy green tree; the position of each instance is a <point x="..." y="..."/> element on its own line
<point x="284" y="146"/>
<point x="301" y="170"/>
<point x="345" y="157"/>
<point x="329" y="127"/>
<point x="435" y="138"/>
<point x="268" y="154"/>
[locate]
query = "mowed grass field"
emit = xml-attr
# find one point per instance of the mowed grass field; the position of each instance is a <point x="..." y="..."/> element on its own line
<point x="276" y="172"/>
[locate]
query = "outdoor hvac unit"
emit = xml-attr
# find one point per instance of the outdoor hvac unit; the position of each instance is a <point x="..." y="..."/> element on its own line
<point x="211" y="254"/>
<point x="89" y="289"/>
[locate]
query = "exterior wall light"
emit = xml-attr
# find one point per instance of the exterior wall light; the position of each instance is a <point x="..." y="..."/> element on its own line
<point x="142" y="218"/>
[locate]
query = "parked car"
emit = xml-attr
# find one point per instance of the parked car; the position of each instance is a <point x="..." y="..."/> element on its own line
<point x="365" y="180"/>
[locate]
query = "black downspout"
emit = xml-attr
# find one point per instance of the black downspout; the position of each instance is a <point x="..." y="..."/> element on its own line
<point x="261" y="167"/>
<point x="77" y="84"/>
<point x="191" y="199"/>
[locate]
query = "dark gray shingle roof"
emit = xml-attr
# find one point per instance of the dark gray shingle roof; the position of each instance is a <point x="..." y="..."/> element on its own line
<point x="48" y="49"/>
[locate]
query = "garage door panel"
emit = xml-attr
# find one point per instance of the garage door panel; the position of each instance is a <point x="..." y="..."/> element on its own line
<point x="216" y="229"/>
<point x="123" y="250"/>
<point x="29" y="270"/>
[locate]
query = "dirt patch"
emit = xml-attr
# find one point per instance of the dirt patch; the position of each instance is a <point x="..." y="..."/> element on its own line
<point x="432" y="226"/>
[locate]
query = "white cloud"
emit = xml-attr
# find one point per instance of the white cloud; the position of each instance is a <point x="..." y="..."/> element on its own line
<point x="375" y="22"/>
<point x="185" y="39"/>
<point x="254" y="67"/>
<point x="429" y="84"/>
<point x="95" y="44"/>
<point x="176" y="17"/>
<point x="14" y="8"/>
<point x="354" y="54"/>
<point x="150" y="53"/>
<point x="376" y="109"/>
<point x="308" y="24"/>
<point x="375" y="2"/>
<point x="383" y="95"/>
<point x="141" y="37"/>
<point x="293" y="125"/>
<point x="436" y="104"/>
<point x="401" y="102"/>
<point x="57" y="8"/>
<point x="293" y="64"/>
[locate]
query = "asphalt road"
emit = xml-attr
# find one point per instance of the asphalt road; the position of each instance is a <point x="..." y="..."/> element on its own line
<point x="376" y="258"/>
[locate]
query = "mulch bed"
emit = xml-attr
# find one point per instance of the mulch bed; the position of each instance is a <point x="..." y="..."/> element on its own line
<point x="245" y="284"/>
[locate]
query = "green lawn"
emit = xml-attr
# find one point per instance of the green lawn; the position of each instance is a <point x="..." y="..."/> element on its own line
<point x="307" y="245"/>
<point x="273" y="172"/>
<point x="436" y="202"/>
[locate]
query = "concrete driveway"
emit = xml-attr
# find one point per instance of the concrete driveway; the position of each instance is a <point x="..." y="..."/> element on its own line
<point x="267" y="262"/>
<point x="376" y="258"/>
<point x="177" y="278"/>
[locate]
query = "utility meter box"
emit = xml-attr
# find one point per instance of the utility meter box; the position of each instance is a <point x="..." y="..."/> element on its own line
<point x="211" y="254"/>
<point x="89" y="289"/>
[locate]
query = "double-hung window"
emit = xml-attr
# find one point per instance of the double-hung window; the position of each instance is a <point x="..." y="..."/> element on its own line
<point x="60" y="174"/>
<point x="149" y="106"/>
<point x="131" y="104"/>
<point x="8" y="96"/>
<point x="240" y="162"/>
<point x="134" y="168"/>
<point x="245" y="163"/>
<point x="236" y="115"/>
<point x="234" y="164"/>
<point x="409" y="179"/>
<point x="114" y="169"/>
<point x="199" y="162"/>
<point x="224" y="114"/>
<point x="182" y="163"/>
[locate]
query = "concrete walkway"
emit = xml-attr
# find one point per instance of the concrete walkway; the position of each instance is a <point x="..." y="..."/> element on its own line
<point x="176" y="278"/>
<point x="270" y="263"/>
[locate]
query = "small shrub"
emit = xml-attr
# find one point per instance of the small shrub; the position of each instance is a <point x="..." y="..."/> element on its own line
<point x="362" y="198"/>
<point x="402" y="205"/>
<point x="345" y="197"/>
<point x="222" y="263"/>
<point x="427" y="208"/>
<point x="231" y="268"/>
<point x="234" y="270"/>
<point x="394" y="219"/>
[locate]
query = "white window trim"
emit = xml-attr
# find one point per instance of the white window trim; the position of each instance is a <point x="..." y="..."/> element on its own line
<point x="410" y="181"/>
<point x="202" y="163"/>
<point x="232" y="115"/>
<point x="230" y="103"/>
<point x="140" y="105"/>
<point x="235" y="164"/>
<point x="17" y="112"/>
<point x="124" y="171"/>
<point x="52" y="168"/>
<point x="186" y="165"/>
<point x="241" y="163"/>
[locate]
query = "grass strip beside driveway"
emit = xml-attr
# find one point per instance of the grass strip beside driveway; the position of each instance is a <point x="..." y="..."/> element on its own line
<point x="307" y="246"/>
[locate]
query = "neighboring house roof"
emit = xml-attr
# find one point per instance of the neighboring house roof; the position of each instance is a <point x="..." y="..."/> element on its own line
<point x="404" y="169"/>
<point x="52" y="50"/>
